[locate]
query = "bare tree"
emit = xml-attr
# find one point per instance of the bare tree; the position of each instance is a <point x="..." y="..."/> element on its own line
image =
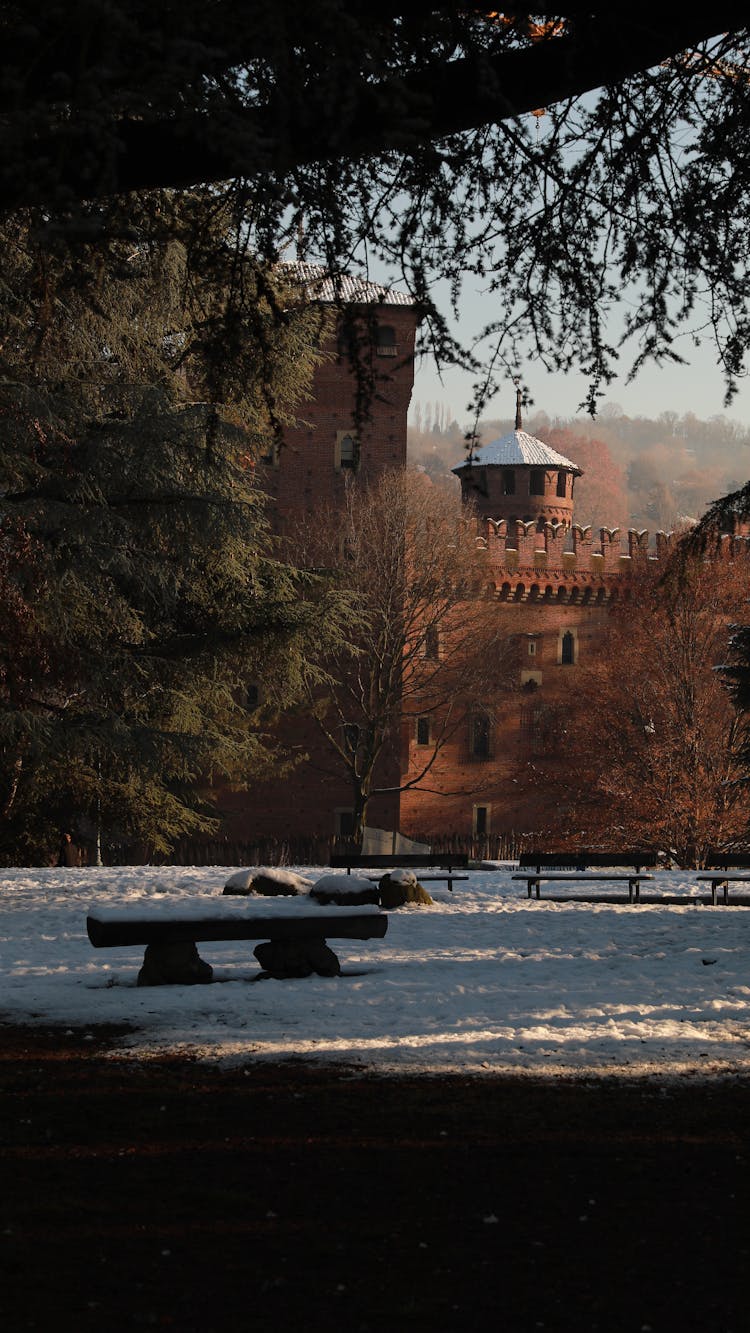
<point x="423" y="652"/>
<point x="655" y="748"/>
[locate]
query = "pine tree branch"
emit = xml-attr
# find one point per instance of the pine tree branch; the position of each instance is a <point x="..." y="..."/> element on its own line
<point x="222" y="139"/>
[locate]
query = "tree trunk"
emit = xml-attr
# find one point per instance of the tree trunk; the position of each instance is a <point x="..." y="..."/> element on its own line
<point x="17" y="769"/>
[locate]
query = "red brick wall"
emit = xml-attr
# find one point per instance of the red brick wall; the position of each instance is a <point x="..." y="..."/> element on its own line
<point x="306" y="800"/>
<point x="306" y="476"/>
<point x="460" y="781"/>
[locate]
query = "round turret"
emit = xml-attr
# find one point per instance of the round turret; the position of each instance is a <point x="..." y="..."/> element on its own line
<point x="519" y="477"/>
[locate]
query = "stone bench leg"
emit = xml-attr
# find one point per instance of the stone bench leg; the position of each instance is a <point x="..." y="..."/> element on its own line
<point x="173" y="965"/>
<point x="284" y="959"/>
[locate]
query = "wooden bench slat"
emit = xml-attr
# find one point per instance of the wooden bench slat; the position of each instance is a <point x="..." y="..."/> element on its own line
<point x="584" y="878"/>
<point x="185" y="930"/>
<point x="534" y="880"/>
<point x="379" y="860"/>
<point x="583" y="860"/>
<point x="720" y="876"/>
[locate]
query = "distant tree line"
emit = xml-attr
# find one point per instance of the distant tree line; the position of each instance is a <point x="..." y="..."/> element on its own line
<point x="637" y="471"/>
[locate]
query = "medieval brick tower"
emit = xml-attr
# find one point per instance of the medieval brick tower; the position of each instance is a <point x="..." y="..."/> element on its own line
<point x="310" y="470"/>
<point x="519" y="479"/>
<point x="307" y="473"/>
<point x="551" y="586"/>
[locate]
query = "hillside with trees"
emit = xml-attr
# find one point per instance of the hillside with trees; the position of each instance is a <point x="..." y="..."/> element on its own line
<point x="638" y="472"/>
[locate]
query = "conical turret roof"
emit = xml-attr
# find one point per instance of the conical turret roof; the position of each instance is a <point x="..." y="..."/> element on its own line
<point x="519" y="449"/>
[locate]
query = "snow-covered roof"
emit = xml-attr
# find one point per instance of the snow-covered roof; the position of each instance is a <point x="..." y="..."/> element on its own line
<point x="322" y="285"/>
<point x="520" y="449"/>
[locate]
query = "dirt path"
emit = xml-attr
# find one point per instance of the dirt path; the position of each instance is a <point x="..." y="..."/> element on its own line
<point x="173" y="1195"/>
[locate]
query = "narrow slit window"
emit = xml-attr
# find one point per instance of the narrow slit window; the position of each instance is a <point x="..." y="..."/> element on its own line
<point x="347" y="452"/>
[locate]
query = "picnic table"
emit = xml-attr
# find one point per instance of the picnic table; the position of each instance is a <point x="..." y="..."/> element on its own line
<point x="450" y="861"/>
<point x="535" y="879"/>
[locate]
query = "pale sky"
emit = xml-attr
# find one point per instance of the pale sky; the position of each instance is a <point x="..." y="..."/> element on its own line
<point x="697" y="387"/>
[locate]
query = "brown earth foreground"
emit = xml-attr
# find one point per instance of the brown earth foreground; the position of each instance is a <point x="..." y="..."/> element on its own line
<point x="175" y="1195"/>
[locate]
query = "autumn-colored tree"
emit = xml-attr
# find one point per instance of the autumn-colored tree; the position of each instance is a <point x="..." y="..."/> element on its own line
<point x="600" y="494"/>
<point x="654" y="749"/>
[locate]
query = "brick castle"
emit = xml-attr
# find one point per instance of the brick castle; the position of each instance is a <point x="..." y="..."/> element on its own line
<point x="550" y="581"/>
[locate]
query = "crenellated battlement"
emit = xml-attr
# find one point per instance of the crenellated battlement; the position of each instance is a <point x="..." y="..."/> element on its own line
<point x="518" y="545"/>
<point x="553" y="562"/>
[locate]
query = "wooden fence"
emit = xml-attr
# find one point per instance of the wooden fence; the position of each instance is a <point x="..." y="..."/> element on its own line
<point x="318" y="851"/>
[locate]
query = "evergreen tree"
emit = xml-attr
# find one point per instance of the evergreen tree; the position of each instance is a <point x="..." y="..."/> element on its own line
<point x="140" y="585"/>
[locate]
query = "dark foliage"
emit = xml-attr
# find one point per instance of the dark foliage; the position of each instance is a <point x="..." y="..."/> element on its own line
<point x="400" y="136"/>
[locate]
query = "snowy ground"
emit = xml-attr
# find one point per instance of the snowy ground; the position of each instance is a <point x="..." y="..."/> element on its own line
<point x="484" y="981"/>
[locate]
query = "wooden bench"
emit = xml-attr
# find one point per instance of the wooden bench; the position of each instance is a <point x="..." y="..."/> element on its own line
<point x="296" y="942"/>
<point x="722" y="880"/>
<point x="588" y="860"/>
<point x="409" y="861"/>
<point x="727" y="861"/>
<point x="535" y="879"/>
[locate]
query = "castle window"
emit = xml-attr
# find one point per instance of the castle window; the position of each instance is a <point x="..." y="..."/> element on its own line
<point x="480" y="820"/>
<point x="532" y="647"/>
<point x="561" y="483"/>
<point x="431" y="643"/>
<point x="509" y="482"/>
<point x="386" y="345"/>
<point x="423" y="731"/>
<point x="347" y="451"/>
<point x="536" y="483"/>
<point x="531" y="728"/>
<point x="344" y="822"/>
<point x="568" y="648"/>
<point x="479" y="742"/>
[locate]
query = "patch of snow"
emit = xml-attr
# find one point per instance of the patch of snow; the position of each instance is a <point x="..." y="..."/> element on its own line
<point x="483" y="981"/>
<point x="344" y="885"/>
<point x="242" y="880"/>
